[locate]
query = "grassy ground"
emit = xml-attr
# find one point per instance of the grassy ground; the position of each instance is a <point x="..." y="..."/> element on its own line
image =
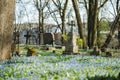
<point x="56" y="66"/>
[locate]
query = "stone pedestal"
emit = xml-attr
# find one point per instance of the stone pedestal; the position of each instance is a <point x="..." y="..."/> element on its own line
<point x="31" y="52"/>
<point x="71" y="46"/>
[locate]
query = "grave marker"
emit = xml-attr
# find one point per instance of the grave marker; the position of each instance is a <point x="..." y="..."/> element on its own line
<point x="71" y="46"/>
<point x="27" y="36"/>
<point x="48" y="38"/>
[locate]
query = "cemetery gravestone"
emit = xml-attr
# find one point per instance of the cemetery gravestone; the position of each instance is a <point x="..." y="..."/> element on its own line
<point x="71" y="46"/>
<point x="57" y="38"/>
<point x="27" y="37"/>
<point x="48" y="38"/>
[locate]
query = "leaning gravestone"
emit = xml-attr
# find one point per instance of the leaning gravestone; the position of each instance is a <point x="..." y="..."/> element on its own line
<point x="71" y="46"/>
<point x="48" y="41"/>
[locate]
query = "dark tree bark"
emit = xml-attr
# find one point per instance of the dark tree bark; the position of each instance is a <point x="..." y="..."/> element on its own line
<point x="95" y="16"/>
<point x="6" y="28"/>
<point x="40" y="6"/>
<point x="98" y="33"/>
<point x="92" y="22"/>
<point x="118" y="35"/>
<point x="62" y="12"/>
<point x="63" y="19"/>
<point x="79" y="22"/>
<point x="113" y="28"/>
<point x="118" y="25"/>
<point x="93" y="13"/>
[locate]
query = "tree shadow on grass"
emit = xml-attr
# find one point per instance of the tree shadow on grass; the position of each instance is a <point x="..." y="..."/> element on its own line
<point x="18" y="62"/>
<point x="97" y="77"/>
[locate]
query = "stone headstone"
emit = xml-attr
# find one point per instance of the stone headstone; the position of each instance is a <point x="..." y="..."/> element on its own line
<point x="71" y="46"/>
<point x="57" y="38"/>
<point x="48" y="38"/>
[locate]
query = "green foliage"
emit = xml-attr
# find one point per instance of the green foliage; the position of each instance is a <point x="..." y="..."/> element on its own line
<point x="104" y="25"/>
<point x="79" y="41"/>
<point x="65" y="37"/>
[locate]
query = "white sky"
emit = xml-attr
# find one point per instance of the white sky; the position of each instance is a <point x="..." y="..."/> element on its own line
<point x="21" y="14"/>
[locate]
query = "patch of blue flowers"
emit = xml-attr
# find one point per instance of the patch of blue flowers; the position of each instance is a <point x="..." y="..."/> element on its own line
<point x="60" y="67"/>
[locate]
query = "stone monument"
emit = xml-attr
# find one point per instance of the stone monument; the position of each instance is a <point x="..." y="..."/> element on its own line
<point x="71" y="46"/>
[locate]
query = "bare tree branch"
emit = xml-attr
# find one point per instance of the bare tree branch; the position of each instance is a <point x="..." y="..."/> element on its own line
<point x="113" y="7"/>
<point x="55" y="3"/>
<point x="86" y="5"/>
<point x="53" y="15"/>
<point x="117" y="6"/>
<point x="102" y="4"/>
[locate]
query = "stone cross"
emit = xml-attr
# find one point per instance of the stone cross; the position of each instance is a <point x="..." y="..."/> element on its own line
<point x="27" y="36"/>
<point x="71" y="46"/>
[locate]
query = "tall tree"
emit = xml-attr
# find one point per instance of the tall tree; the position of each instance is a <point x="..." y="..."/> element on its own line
<point x="22" y="12"/>
<point x="79" y="22"/>
<point x="93" y="13"/>
<point x="62" y="12"/>
<point x="54" y="14"/>
<point x="115" y="25"/>
<point x="92" y="19"/>
<point x="41" y="7"/>
<point x="7" y="8"/>
<point x="113" y="28"/>
<point x="118" y="25"/>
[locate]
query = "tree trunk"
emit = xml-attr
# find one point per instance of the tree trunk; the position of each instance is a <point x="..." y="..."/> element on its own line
<point x="39" y="27"/>
<point x="63" y="20"/>
<point x="6" y="28"/>
<point x="117" y="8"/>
<point x="118" y="35"/>
<point x="113" y="28"/>
<point x="42" y="21"/>
<point x="79" y="22"/>
<point x="118" y="25"/>
<point x="27" y="37"/>
<point x="98" y="33"/>
<point x="95" y="16"/>
<point x="42" y="28"/>
<point x="92" y="22"/>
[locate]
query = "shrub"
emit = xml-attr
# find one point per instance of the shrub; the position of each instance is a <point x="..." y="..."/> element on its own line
<point x="79" y="42"/>
<point x="65" y="37"/>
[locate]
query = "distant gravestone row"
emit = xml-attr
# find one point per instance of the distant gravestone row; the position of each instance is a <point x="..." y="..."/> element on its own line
<point x="49" y="38"/>
<point x="32" y="37"/>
